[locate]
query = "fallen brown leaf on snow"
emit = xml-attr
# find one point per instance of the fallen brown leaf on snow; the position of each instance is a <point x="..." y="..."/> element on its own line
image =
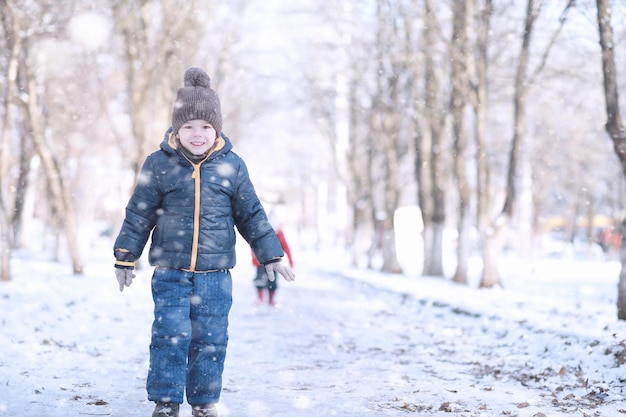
<point x="445" y="407"/>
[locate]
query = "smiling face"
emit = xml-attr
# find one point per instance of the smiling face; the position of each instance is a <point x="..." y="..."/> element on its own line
<point x="197" y="136"/>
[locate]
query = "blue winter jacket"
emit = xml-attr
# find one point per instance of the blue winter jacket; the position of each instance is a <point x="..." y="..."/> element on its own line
<point x="192" y="210"/>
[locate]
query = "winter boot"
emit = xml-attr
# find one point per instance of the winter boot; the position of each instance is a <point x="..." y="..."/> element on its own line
<point x="204" y="410"/>
<point x="166" y="410"/>
<point x="259" y="300"/>
<point x="271" y="300"/>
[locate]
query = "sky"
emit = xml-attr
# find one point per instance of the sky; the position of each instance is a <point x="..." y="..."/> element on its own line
<point x="342" y="342"/>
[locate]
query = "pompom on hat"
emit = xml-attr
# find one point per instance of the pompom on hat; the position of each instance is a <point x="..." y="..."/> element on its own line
<point x="196" y="100"/>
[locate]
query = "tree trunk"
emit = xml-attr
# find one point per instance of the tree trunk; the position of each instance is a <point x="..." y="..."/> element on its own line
<point x="5" y="245"/>
<point x="519" y="116"/>
<point x="434" y="266"/>
<point x="458" y="102"/>
<point x="491" y="252"/>
<point x="14" y="41"/>
<point x="496" y="227"/>
<point x="614" y="126"/>
<point x="391" y="264"/>
<point x="21" y="191"/>
<point x="621" y="287"/>
<point x="480" y="104"/>
<point x="433" y="253"/>
<point x="60" y="193"/>
<point x="384" y="167"/>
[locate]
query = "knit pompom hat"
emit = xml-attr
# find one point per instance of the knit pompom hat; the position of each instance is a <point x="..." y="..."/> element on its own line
<point x="196" y="100"/>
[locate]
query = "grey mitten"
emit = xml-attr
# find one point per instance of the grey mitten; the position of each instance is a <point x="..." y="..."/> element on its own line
<point x="281" y="268"/>
<point x="124" y="277"/>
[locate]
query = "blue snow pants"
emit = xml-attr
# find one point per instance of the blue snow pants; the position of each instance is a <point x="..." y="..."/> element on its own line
<point x="189" y="335"/>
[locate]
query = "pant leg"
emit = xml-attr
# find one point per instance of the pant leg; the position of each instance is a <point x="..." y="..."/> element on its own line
<point x="273" y="285"/>
<point x="171" y="335"/>
<point x="210" y="305"/>
<point x="260" y="280"/>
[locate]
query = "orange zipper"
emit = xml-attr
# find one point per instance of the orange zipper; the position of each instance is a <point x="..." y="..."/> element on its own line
<point x="196" y="217"/>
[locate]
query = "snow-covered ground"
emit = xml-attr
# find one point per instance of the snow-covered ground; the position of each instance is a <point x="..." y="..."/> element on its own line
<point x="343" y="342"/>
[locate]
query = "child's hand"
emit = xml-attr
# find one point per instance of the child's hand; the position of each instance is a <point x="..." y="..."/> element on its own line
<point x="282" y="269"/>
<point x="124" y="277"/>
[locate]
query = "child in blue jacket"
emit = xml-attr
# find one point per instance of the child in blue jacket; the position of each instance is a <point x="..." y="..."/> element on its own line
<point x="191" y="194"/>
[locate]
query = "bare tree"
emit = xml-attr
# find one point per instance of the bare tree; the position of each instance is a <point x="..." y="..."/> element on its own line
<point x="26" y="26"/>
<point x="478" y="68"/>
<point x="11" y="29"/>
<point x="152" y="64"/>
<point x="386" y="129"/>
<point x="614" y="125"/>
<point x="492" y="229"/>
<point x="59" y="190"/>
<point x="492" y="234"/>
<point x="36" y="111"/>
<point x="155" y="50"/>
<point x="433" y="201"/>
<point x="459" y="50"/>
<point x="368" y="153"/>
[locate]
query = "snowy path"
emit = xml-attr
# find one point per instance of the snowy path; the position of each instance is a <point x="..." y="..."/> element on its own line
<point x="355" y="350"/>
<point x="364" y="345"/>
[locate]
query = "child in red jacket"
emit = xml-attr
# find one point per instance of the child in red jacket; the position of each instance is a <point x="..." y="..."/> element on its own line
<point x="261" y="281"/>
